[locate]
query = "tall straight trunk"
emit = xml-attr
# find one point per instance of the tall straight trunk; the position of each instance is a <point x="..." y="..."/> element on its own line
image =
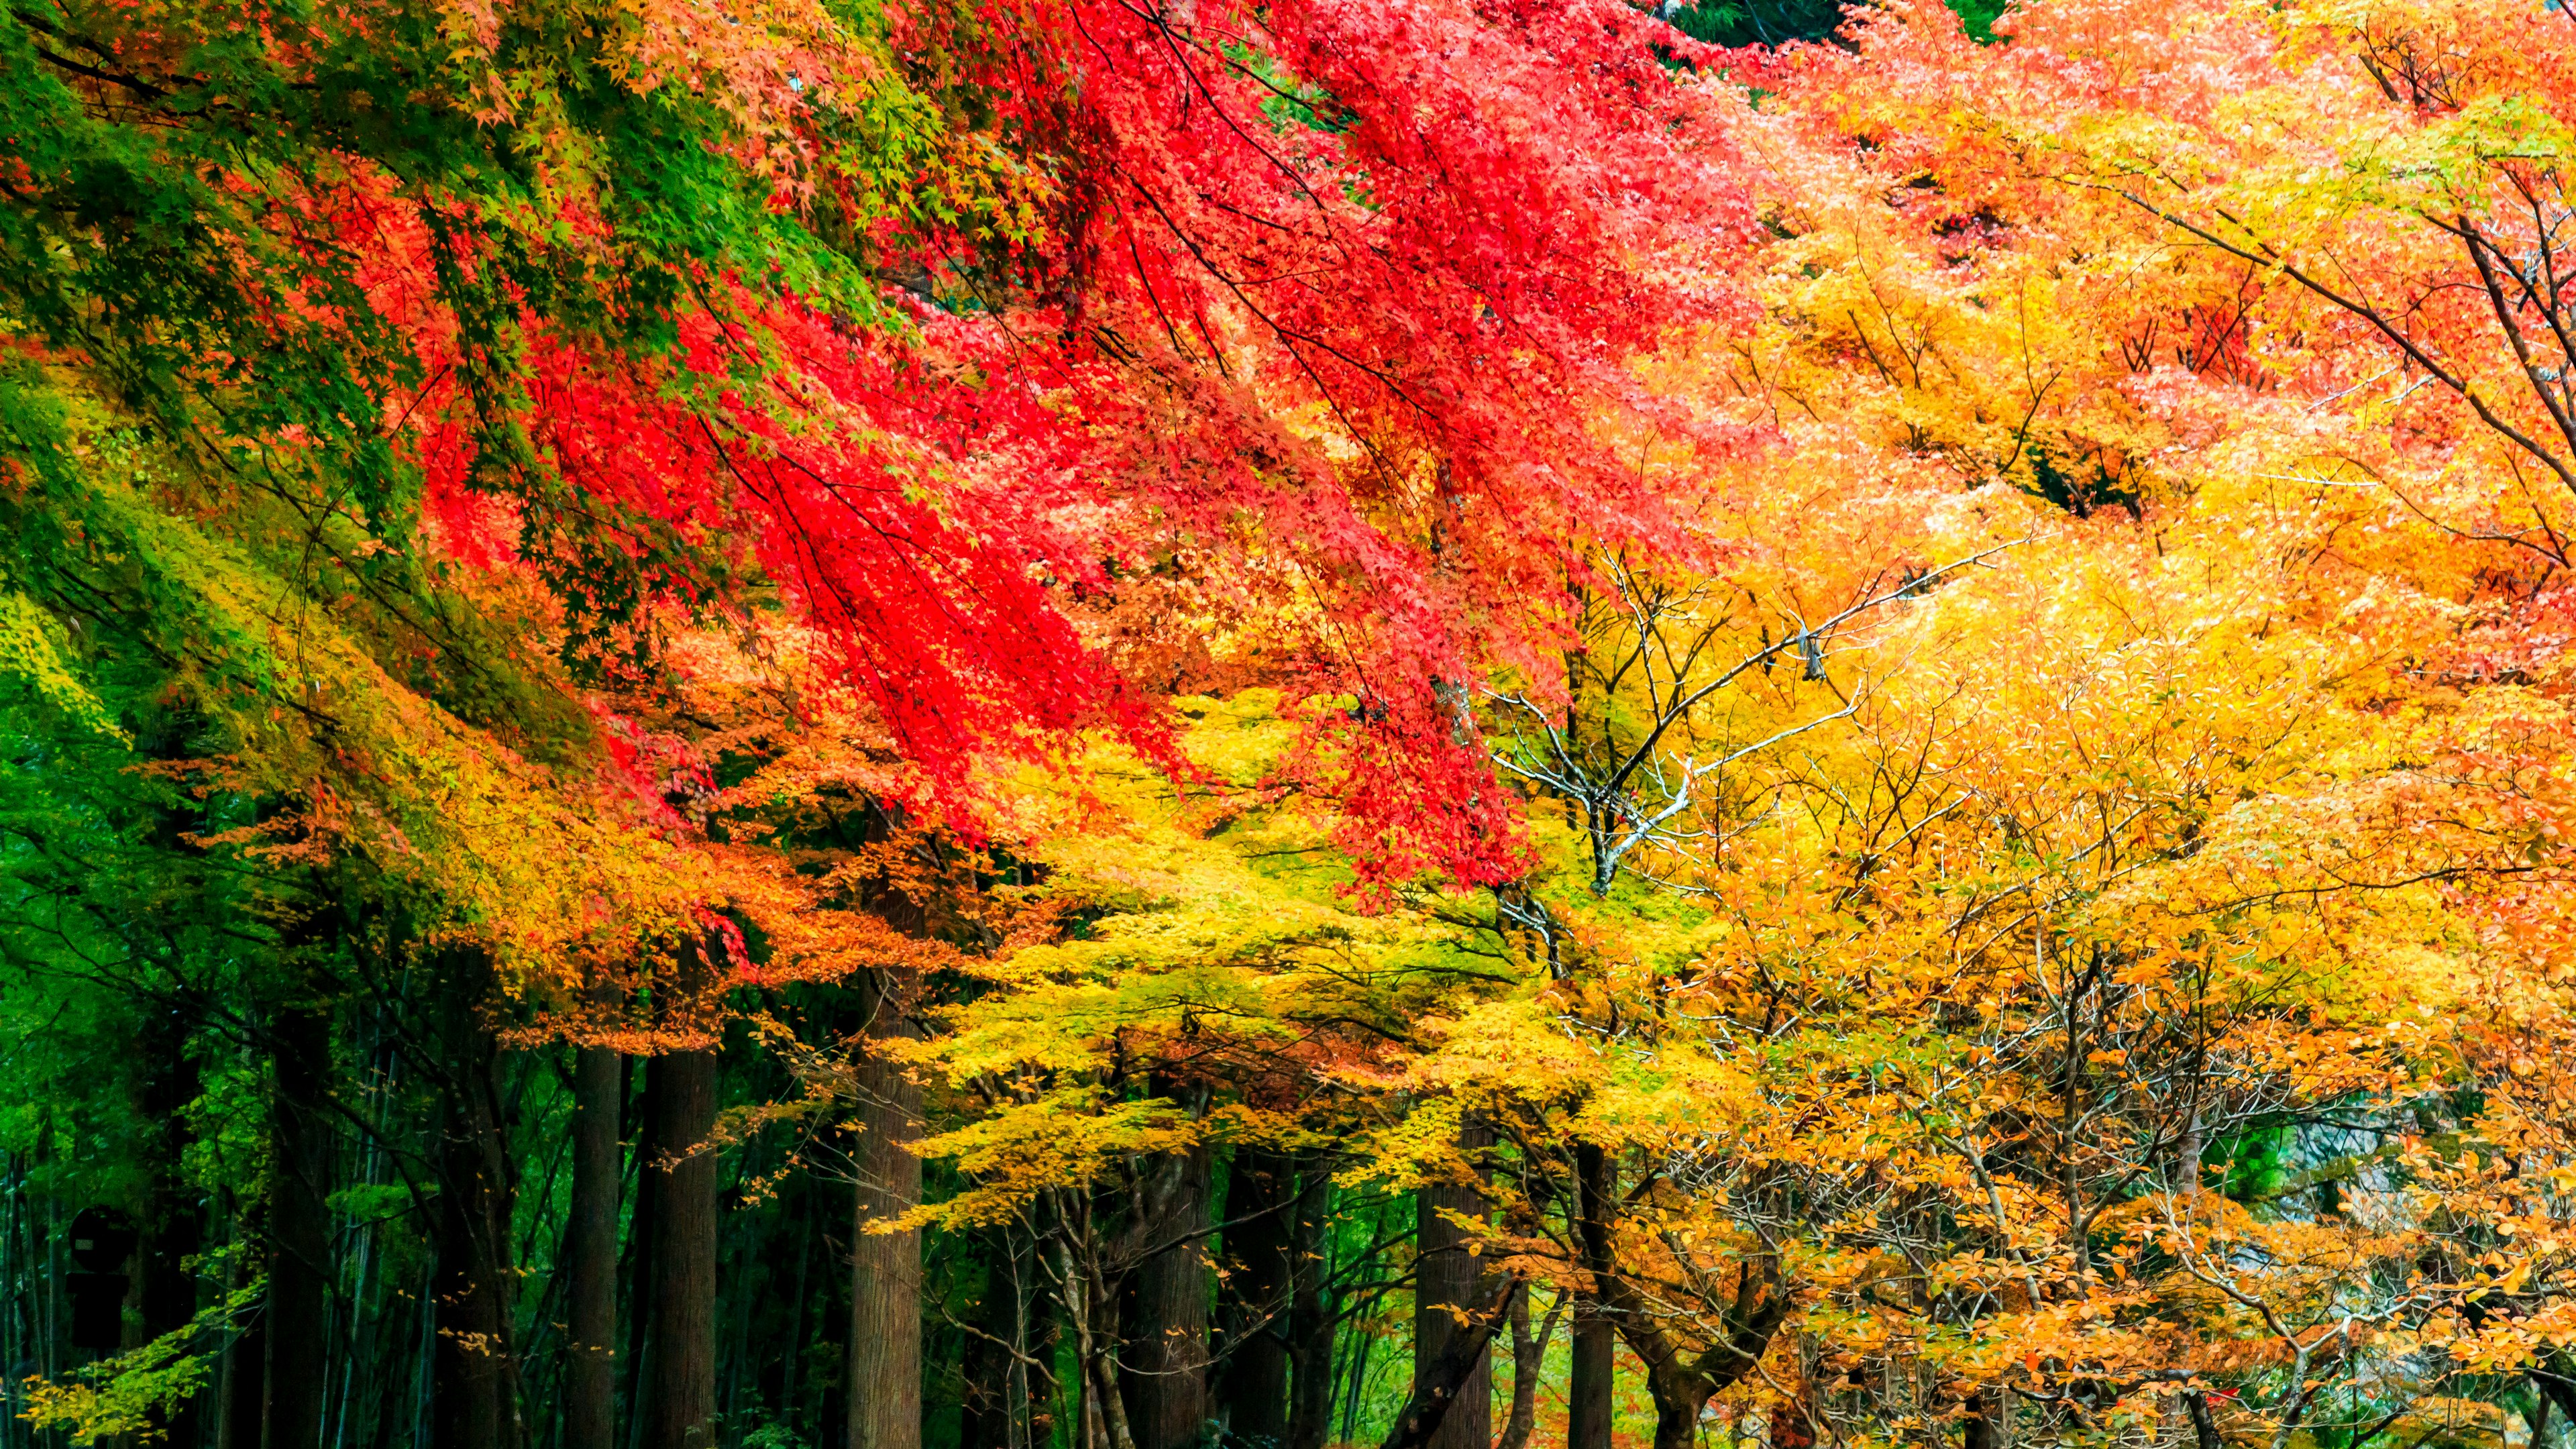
<point x="992" y="1392"/>
<point x="475" y="1363"/>
<point x="245" y="1369"/>
<point x="590" y="1251"/>
<point x="1041" y="1393"/>
<point x="679" y="1391"/>
<point x="638" y="1364"/>
<point x="1587" y="1417"/>
<point x="299" y="1228"/>
<point x="1445" y="1279"/>
<point x="1165" y="1312"/>
<point x="885" y="1268"/>
<point x="1260" y="1250"/>
<point x="173" y="1222"/>
<point x="1439" y="1386"/>
<point x="1311" y="1311"/>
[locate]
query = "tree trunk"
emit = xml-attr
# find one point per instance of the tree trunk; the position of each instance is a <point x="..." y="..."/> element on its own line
<point x="1445" y="1278"/>
<point x="637" y="1364"/>
<point x="173" y="1223"/>
<point x="1439" y="1387"/>
<point x="475" y="1361"/>
<point x="299" y="1229"/>
<point x="993" y="1396"/>
<point x="1981" y="1432"/>
<point x="1595" y="1336"/>
<point x="2204" y="1425"/>
<point x="2555" y="1377"/>
<point x="1165" y="1318"/>
<point x="1529" y="1357"/>
<point x="1311" y="1318"/>
<point x="885" y="1268"/>
<point x="1679" y="1399"/>
<point x="590" y="1251"/>
<point x="1260" y="1250"/>
<point x="679" y="1391"/>
<point x="1087" y="1300"/>
<point x="1041" y="1392"/>
<point x="245" y="1387"/>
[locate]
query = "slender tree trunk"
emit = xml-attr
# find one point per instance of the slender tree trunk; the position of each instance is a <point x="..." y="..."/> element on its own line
<point x="299" y="1225"/>
<point x="475" y="1361"/>
<point x="1260" y="1249"/>
<point x="679" y="1391"/>
<point x="992" y="1402"/>
<point x="590" y="1251"/>
<point x="1529" y="1357"/>
<point x="1311" y="1317"/>
<point x="1445" y="1282"/>
<point x="1358" y="1383"/>
<point x="640" y="1237"/>
<point x="173" y="1222"/>
<point x="2186" y="1163"/>
<point x="2204" y="1425"/>
<point x="245" y="1389"/>
<point x="885" y="1268"/>
<point x="1595" y="1335"/>
<point x="1041" y="1392"/>
<point x="1104" y="1416"/>
<point x="2555" y="1378"/>
<point x="1164" y="1326"/>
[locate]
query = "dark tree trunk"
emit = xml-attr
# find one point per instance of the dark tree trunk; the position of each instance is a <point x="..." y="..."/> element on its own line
<point x="679" y="1387"/>
<point x="2204" y="1425"/>
<point x="1165" y="1313"/>
<point x="590" y="1251"/>
<point x="1260" y="1250"/>
<point x="1040" y="1391"/>
<point x="245" y="1386"/>
<point x="1595" y="1334"/>
<point x="1679" y="1400"/>
<point x="174" y="1216"/>
<point x="2555" y="1377"/>
<point x="1445" y="1279"/>
<point x="173" y="1221"/>
<point x="475" y="1361"/>
<point x="885" y="1268"/>
<point x="299" y="1227"/>
<point x="986" y="1404"/>
<point x="637" y="1364"/>
<point x="1439" y="1387"/>
<point x="995" y="1388"/>
<point x="1310" y="1315"/>
<point x="1982" y="1430"/>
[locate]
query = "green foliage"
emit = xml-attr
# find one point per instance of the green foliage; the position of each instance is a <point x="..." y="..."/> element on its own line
<point x="129" y="1397"/>
<point x="1783" y="22"/>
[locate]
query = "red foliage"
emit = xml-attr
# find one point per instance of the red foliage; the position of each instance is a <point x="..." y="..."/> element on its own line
<point x="1440" y="232"/>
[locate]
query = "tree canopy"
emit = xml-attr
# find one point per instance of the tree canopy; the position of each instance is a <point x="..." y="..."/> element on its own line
<point x="1132" y="724"/>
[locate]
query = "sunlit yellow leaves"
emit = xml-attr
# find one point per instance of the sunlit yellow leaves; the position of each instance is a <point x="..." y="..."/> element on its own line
<point x="32" y="649"/>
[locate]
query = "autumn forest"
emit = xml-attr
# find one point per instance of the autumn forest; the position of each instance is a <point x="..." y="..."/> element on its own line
<point x="1267" y="724"/>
